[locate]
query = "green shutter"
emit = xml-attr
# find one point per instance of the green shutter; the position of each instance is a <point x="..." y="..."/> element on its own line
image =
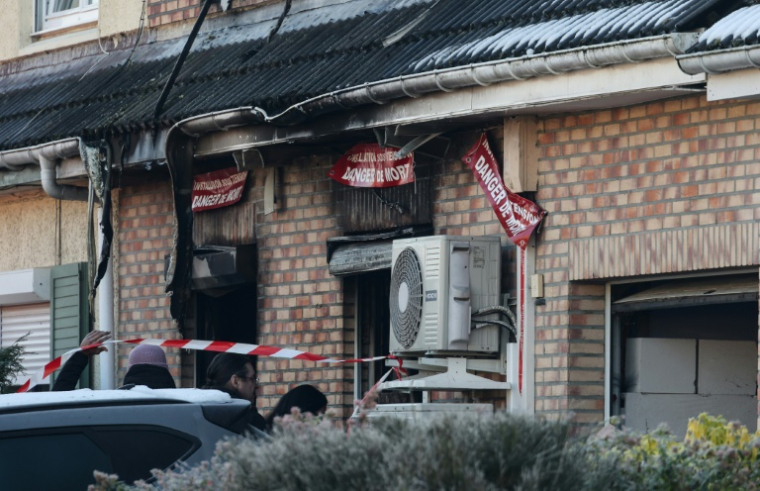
<point x="69" y="316"/>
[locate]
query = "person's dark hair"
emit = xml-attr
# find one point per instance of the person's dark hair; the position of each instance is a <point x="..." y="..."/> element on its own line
<point x="307" y="398"/>
<point x="223" y="367"/>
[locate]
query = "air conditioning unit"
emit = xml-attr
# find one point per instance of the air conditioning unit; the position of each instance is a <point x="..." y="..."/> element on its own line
<point x="436" y="283"/>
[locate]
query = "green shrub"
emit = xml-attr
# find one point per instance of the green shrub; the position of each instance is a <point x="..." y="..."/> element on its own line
<point x="10" y="364"/>
<point x="502" y="451"/>
<point x="715" y="455"/>
<point x="474" y="452"/>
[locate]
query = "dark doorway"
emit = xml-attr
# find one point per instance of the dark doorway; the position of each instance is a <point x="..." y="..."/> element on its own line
<point x="373" y="317"/>
<point x="227" y="317"/>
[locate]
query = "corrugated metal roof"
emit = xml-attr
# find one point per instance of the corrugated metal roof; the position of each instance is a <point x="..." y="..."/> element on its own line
<point x="317" y="50"/>
<point x="739" y="28"/>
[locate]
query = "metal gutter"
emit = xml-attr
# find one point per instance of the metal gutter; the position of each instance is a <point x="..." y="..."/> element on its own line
<point x="47" y="156"/>
<point x="483" y="74"/>
<point x="217" y="121"/>
<point x="727" y="60"/>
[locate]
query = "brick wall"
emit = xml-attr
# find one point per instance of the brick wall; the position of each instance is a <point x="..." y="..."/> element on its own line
<point x="300" y="304"/>
<point x="145" y="229"/>
<point x="162" y="12"/>
<point x="657" y="188"/>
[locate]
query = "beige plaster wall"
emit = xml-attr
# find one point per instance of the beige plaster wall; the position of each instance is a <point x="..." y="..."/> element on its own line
<point x="117" y="16"/>
<point x="73" y="230"/>
<point x="33" y="234"/>
<point x="17" y="24"/>
<point x="10" y="23"/>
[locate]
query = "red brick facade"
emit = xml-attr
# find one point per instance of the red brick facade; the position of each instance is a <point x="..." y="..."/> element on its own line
<point x="300" y="304"/>
<point x="145" y="230"/>
<point x="162" y="12"/>
<point x="680" y="180"/>
<point x="651" y="176"/>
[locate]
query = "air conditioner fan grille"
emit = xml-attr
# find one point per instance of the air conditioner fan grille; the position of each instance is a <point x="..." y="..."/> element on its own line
<point x="406" y="297"/>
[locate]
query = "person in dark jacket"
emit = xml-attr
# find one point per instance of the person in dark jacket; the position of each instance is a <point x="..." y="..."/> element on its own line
<point x="307" y="398"/>
<point x="235" y="375"/>
<point x="147" y="365"/>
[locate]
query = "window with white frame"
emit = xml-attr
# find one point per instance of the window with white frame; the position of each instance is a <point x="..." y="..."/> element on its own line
<point x="60" y="14"/>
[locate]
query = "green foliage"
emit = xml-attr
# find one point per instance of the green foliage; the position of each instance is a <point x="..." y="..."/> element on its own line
<point x="715" y="455"/>
<point x="474" y="452"/>
<point x="10" y="364"/>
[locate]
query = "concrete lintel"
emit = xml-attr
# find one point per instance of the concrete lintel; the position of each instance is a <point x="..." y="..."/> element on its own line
<point x="24" y="286"/>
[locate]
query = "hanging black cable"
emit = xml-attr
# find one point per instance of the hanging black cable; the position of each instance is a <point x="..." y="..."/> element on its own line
<point x="181" y="59"/>
<point x="277" y="26"/>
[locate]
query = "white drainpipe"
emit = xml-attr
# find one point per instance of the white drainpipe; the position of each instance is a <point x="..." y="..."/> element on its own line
<point x="48" y="156"/>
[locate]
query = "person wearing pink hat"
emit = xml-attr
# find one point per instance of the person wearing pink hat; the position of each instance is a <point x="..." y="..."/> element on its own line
<point x="147" y="365"/>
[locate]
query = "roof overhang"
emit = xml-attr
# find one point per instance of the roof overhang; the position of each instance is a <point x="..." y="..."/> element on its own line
<point x="583" y="90"/>
<point x="581" y="79"/>
<point x="145" y="150"/>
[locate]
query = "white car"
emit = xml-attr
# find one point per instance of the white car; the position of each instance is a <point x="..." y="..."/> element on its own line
<point x="55" y="440"/>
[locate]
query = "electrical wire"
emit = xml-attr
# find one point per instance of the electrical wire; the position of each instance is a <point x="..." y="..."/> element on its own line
<point x="511" y="329"/>
<point x="181" y="59"/>
<point x="496" y="309"/>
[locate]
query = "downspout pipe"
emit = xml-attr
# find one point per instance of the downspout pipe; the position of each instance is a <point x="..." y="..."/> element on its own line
<point x="47" y="156"/>
<point x="105" y="320"/>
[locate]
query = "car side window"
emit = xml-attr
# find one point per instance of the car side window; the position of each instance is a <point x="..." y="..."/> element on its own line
<point x="134" y="451"/>
<point x="60" y="458"/>
<point x="50" y="461"/>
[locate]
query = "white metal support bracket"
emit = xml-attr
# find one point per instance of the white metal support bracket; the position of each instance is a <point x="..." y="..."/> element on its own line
<point x="455" y="377"/>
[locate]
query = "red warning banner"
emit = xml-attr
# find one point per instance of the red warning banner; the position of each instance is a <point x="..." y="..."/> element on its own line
<point x="217" y="189"/>
<point x="518" y="216"/>
<point x="367" y="165"/>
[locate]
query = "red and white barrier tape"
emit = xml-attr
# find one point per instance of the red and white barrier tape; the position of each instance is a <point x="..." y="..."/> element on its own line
<point x="194" y="344"/>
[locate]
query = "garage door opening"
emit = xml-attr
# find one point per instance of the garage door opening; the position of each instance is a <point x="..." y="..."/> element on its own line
<point x="683" y="347"/>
